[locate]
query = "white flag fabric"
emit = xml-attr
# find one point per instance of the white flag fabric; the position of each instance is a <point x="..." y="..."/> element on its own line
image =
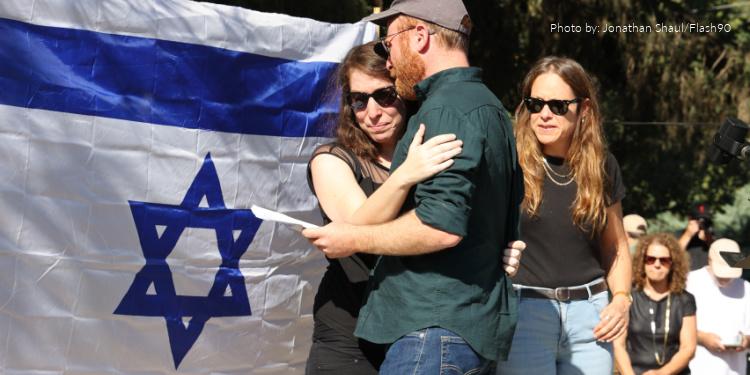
<point x="135" y="135"/>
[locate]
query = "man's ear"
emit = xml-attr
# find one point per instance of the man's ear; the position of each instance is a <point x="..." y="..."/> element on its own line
<point x="423" y="34"/>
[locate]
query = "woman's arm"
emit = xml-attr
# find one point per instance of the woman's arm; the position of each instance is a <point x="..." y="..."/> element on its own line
<point x="344" y="201"/>
<point x="688" y="340"/>
<point x="616" y="261"/>
<point x="622" y="358"/>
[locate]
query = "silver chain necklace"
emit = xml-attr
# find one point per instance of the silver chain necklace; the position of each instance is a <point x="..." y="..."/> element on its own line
<point x="548" y="169"/>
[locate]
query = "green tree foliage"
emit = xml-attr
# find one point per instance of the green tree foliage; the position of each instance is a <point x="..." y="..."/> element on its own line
<point x="652" y="76"/>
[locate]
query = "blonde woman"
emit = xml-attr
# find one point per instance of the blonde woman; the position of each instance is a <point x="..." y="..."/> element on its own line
<point x="572" y="225"/>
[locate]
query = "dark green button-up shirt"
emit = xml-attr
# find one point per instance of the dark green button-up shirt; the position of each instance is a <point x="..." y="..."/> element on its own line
<point x="463" y="289"/>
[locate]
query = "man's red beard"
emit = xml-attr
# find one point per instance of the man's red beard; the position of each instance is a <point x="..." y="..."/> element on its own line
<point x="408" y="71"/>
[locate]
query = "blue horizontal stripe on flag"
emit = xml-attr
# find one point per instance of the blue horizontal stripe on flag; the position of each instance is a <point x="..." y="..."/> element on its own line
<point x="159" y="82"/>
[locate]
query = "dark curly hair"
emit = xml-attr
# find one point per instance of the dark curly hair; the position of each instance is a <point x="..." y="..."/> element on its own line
<point x="678" y="270"/>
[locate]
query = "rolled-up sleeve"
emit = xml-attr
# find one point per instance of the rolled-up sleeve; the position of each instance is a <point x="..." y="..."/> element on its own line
<point x="444" y="201"/>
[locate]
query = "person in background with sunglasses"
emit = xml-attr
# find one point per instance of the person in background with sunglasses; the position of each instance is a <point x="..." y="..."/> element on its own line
<point x="572" y="226"/>
<point x="439" y="295"/>
<point x="350" y="178"/>
<point x="662" y="334"/>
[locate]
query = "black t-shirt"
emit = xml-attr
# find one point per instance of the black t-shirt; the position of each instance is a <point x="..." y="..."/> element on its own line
<point x="642" y="343"/>
<point x="698" y="250"/>
<point x="342" y="288"/>
<point x="557" y="252"/>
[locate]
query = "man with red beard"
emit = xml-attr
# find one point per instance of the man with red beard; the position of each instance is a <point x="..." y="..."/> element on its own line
<point x="439" y="294"/>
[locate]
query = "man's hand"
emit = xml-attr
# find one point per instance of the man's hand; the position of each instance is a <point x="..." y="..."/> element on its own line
<point x="693" y="227"/>
<point x="712" y="342"/>
<point x="336" y="240"/>
<point x="512" y="257"/>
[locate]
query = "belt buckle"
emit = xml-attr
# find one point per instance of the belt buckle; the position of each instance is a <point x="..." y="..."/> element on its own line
<point x="566" y="294"/>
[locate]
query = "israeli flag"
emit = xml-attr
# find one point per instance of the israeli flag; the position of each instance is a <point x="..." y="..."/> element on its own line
<point x="135" y="135"/>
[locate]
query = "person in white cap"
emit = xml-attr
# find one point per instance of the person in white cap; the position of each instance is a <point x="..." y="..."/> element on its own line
<point x="439" y="295"/>
<point x="635" y="228"/>
<point x="723" y="314"/>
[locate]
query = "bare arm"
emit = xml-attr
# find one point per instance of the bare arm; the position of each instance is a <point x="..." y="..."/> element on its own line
<point x="688" y="340"/>
<point x="407" y="235"/>
<point x="616" y="261"/>
<point x="622" y="358"/>
<point x="710" y="341"/>
<point x="692" y="228"/>
<point x="343" y="200"/>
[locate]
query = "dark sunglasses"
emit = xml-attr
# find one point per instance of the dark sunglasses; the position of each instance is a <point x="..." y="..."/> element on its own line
<point x="557" y="106"/>
<point x="666" y="261"/>
<point x="384" y="97"/>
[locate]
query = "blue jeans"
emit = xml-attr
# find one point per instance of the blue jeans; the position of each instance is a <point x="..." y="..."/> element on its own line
<point x="558" y="338"/>
<point x="433" y="351"/>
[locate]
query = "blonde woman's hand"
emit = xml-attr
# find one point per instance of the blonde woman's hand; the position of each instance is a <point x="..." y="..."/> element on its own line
<point x="425" y="160"/>
<point x="615" y="319"/>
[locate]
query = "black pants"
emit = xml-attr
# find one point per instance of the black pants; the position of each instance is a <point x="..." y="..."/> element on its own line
<point x="335" y="353"/>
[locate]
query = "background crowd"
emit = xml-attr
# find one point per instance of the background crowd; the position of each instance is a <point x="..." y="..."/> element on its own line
<point x="710" y="314"/>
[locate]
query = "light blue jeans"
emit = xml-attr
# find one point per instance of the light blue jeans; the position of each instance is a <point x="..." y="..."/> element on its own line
<point x="434" y="351"/>
<point x="558" y="338"/>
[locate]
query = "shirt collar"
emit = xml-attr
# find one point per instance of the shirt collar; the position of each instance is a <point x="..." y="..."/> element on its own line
<point x="432" y="83"/>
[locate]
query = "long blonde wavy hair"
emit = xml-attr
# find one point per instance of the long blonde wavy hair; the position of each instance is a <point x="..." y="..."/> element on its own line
<point x="586" y="157"/>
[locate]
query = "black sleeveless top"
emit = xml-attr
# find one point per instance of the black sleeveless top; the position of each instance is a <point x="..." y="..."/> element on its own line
<point x="342" y="288"/>
<point x="642" y="343"/>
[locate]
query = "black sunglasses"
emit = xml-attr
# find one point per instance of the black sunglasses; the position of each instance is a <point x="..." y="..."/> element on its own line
<point x="384" y="97"/>
<point x="666" y="261"/>
<point x="557" y="106"/>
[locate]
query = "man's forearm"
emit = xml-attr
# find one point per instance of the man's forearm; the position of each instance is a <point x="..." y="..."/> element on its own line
<point x="702" y="337"/>
<point x="407" y="235"/>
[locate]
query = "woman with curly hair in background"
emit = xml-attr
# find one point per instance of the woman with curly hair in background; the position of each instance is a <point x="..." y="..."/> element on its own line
<point x="662" y="335"/>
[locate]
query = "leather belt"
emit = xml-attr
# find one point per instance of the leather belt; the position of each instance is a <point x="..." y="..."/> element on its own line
<point x="561" y="294"/>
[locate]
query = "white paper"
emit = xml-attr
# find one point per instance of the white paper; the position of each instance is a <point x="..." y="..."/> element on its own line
<point x="266" y="214"/>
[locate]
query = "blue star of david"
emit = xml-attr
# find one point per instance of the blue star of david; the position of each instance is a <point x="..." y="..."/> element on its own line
<point x="165" y="302"/>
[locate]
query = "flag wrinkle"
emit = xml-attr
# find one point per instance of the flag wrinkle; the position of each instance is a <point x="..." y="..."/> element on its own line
<point x="110" y="111"/>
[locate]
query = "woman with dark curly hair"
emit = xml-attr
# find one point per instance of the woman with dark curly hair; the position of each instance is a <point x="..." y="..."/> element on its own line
<point x="662" y="335"/>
